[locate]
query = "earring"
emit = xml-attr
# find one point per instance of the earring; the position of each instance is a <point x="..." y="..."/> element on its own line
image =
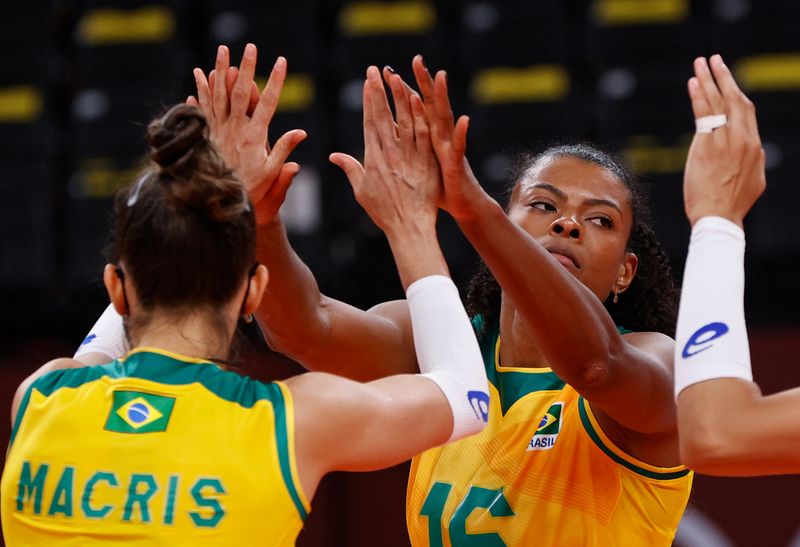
<point x="247" y="318"/>
<point x="616" y="295"/>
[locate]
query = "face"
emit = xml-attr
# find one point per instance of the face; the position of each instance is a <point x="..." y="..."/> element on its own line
<point x="581" y="214"/>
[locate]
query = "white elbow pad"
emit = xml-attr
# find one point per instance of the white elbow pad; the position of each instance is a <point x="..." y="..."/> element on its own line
<point x="107" y="336"/>
<point x="448" y="352"/>
<point x="711" y="336"/>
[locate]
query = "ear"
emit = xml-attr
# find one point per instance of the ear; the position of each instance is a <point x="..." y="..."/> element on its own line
<point x="627" y="271"/>
<point x="115" y="289"/>
<point x="258" y="284"/>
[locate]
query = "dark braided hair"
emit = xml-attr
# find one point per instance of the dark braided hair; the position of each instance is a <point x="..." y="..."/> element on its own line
<point x="651" y="301"/>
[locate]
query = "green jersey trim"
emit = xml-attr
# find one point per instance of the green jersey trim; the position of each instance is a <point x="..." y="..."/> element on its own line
<point x="282" y="438"/>
<point x="593" y="434"/>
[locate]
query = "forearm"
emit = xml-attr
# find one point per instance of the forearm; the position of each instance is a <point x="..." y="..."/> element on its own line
<point x="324" y="334"/>
<point x="416" y="252"/>
<point x="291" y="311"/>
<point x="570" y="325"/>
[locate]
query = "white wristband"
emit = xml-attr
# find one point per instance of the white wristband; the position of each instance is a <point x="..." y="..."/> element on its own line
<point x="711" y="336"/>
<point x="107" y="336"/>
<point x="448" y="352"/>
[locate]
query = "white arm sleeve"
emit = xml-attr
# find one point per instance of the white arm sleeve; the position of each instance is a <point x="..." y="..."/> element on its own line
<point x="448" y="352"/>
<point x="107" y="336"/>
<point x="711" y="336"/>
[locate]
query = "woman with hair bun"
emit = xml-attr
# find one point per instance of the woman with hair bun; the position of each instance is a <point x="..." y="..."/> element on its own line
<point x="164" y="445"/>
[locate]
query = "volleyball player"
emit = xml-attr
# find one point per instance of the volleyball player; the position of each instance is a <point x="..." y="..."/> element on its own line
<point x="166" y="446"/>
<point x="727" y="426"/>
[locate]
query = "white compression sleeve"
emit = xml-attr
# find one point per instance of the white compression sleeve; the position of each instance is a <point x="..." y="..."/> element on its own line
<point x="448" y="352"/>
<point x="711" y="336"/>
<point x="107" y="336"/>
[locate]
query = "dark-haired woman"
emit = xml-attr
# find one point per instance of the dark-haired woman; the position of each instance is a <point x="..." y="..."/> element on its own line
<point x="166" y="447"/>
<point x="581" y="446"/>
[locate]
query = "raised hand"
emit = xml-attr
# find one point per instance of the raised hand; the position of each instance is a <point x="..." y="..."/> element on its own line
<point x="724" y="173"/>
<point x="449" y="139"/>
<point x="243" y="139"/>
<point x="399" y="183"/>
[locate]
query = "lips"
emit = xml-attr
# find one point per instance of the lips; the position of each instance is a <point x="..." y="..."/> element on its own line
<point x="564" y="256"/>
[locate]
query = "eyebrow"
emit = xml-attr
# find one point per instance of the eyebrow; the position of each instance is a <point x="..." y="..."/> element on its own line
<point x="591" y="202"/>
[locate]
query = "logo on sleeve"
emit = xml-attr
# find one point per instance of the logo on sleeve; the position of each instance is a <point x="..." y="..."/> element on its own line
<point x="138" y="412"/>
<point x="702" y="338"/>
<point x="549" y="427"/>
<point x="479" y="401"/>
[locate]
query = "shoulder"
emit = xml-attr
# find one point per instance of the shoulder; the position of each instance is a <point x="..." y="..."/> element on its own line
<point x="53" y="366"/>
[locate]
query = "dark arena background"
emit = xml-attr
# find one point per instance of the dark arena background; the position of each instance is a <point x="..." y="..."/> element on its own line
<point x="80" y="80"/>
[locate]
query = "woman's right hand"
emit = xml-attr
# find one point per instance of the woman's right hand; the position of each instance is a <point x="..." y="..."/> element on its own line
<point x="461" y="190"/>
<point x="241" y="137"/>
<point x="399" y="183"/>
<point x="724" y="173"/>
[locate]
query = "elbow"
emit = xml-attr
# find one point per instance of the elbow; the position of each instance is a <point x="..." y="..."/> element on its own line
<point x="705" y="446"/>
<point x="591" y="376"/>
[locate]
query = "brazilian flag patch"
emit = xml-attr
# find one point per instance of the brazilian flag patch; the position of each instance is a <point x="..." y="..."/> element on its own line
<point x="138" y="412"/>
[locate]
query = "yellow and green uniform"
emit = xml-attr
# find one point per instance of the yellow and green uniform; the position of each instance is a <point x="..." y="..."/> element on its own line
<point x="152" y="449"/>
<point x="541" y="473"/>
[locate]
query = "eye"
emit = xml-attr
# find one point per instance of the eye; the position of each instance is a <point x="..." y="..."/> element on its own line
<point x="603" y="221"/>
<point x="542" y="206"/>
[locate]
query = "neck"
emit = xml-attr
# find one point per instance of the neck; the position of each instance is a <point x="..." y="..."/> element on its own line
<point x="196" y="335"/>
<point x="517" y="346"/>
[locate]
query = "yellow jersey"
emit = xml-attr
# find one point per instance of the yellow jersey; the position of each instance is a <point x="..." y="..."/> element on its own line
<point x="541" y="473"/>
<point x="152" y="449"/>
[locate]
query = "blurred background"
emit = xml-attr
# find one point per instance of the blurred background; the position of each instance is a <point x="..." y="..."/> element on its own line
<point x="81" y="79"/>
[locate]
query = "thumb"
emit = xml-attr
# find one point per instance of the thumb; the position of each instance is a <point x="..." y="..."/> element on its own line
<point x="267" y="207"/>
<point x="352" y="167"/>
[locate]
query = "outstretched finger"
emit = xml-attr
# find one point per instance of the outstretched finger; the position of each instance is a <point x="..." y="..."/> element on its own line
<point x="425" y="84"/>
<point x="372" y="144"/>
<point x="741" y="112"/>
<point x="203" y="94"/>
<point x="268" y="102"/>
<point x="285" y="145"/>
<point x="240" y="96"/>
<point x="220" y="92"/>
<point x="443" y="126"/>
<point x="352" y="168"/>
<point x="405" y="122"/>
<point x="700" y="105"/>
<point x="422" y="131"/>
<point x="460" y="136"/>
<point x="709" y="86"/>
<point x="381" y="113"/>
<point x="269" y="204"/>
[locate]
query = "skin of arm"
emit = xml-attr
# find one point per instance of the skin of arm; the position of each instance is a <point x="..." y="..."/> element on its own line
<point x="726" y="426"/>
<point x="628" y="378"/>
<point x="343" y="425"/>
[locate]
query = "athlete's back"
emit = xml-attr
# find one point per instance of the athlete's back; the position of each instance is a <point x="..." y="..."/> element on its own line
<point x="153" y="449"/>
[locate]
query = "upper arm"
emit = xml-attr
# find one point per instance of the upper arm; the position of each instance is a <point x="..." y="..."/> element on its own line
<point x="55" y="364"/>
<point x="358" y="344"/>
<point x="728" y="428"/>
<point x="635" y="389"/>
<point x="343" y="425"/>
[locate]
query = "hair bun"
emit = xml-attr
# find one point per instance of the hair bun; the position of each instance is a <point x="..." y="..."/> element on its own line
<point x="174" y="137"/>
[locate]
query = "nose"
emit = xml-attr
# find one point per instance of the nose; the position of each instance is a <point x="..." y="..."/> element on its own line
<point x="567" y="227"/>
